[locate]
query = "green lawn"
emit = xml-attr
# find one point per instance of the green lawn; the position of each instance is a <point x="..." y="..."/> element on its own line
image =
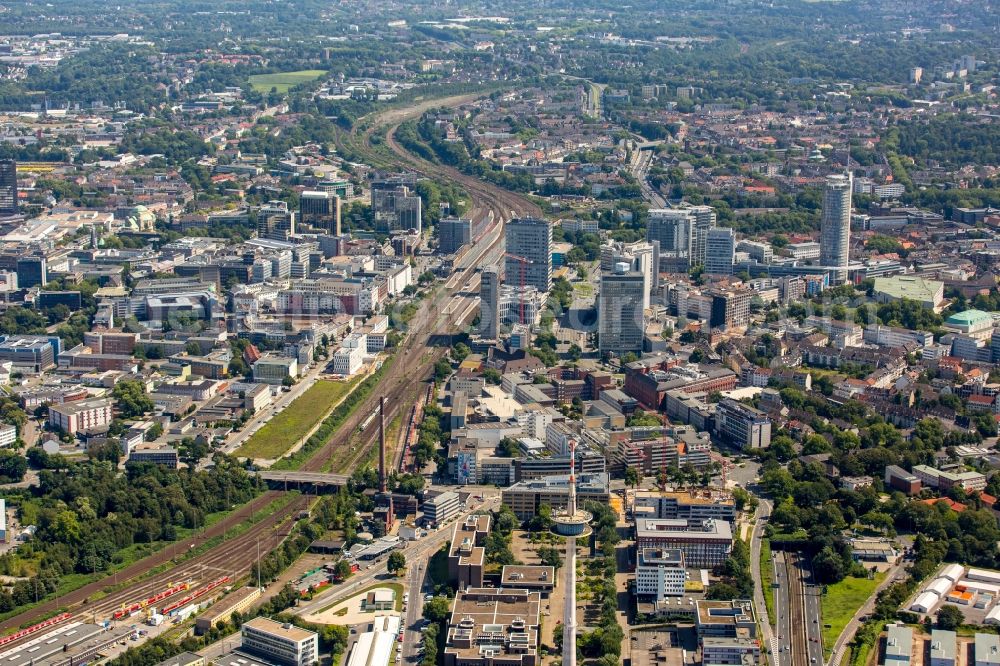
<point x="291" y="424"/>
<point x="282" y="81"/>
<point x="767" y="579"/>
<point x="841" y="601"/>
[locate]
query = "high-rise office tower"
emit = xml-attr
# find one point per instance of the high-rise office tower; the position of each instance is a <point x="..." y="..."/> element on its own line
<point x="32" y="272"/>
<point x="620" y="316"/>
<point x="8" y="187"/>
<point x="396" y="204"/>
<point x="275" y="221"/>
<point x="643" y="261"/>
<point x="671" y="227"/>
<point x="489" y="303"/>
<point x="529" y="253"/>
<point x="453" y="233"/>
<point x="835" y="227"/>
<point x="704" y="219"/>
<point x="720" y="251"/>
<point x="320" y="210"/>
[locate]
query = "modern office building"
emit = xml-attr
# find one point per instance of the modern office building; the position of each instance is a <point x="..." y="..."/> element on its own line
<point x="8" y="187"/>
<point x="741" y="425"/>
<point x="29" y="353"/>
<point x="320" y="210"/>
<point x="835" y="227"/>
<point x="660" y="573"/>
<point x="526" y="497"/>
<point x="705" y="543"/>
<point x="396" y="208"/>
<point x="453" y="233"/>
<point x="529" y="253"/>
<point x="489" y="303"/>
<point x="166" y="456"/>
<point x="645" y="258"/>
<point x="438" y="509"/>
<point x="720" y="252"/>
<point x="281" y="643"/>
<point x="275" y="221"/>
<point x="520" y="306"/>
<point x="672" y="228"/>
<point x="467" y="557"/>
<point x="722" y="651"/>
<point x="493" y="627"/>
<point x="687" y="505"/>
<point x="621" y="320"/>
<point x="725" y="619"/>
<point x="538" y="466"/>
<point x="32" y="272"/>
<point x="704" y="220"/>
<point x="275" y="369"/>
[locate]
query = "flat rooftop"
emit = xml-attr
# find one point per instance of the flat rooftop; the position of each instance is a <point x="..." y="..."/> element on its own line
<point x="467" y="534"/>
<point x="688" y="496"/>
<point x="496" y="621"/>
<point x="517" y="575"/>
<point x="288" y="631"/>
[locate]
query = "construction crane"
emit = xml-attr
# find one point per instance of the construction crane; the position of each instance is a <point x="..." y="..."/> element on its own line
<point x="523" y="261"/>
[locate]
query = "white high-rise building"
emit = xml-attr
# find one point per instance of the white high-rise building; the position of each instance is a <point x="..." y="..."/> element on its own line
<point x="704" y="220"/>
<point x="620" y="315"/>
<point x="489" y="303"/>
<point x="644" y="261"/>
<point x="835" y="227"/>
<point x="720" y="251"/>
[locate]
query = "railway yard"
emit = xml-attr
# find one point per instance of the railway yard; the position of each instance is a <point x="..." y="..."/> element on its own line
<point x="214" y="557"/>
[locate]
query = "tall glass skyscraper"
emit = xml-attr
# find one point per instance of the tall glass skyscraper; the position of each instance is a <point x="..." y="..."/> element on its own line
<point x="835" y="228"/>
<point x="8" y="186"/>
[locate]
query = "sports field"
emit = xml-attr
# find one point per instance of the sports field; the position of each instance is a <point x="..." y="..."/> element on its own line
<point x="282" y="81"/>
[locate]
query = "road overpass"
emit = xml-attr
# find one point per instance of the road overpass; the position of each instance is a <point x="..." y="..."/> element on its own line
<point x="312" y="481"/>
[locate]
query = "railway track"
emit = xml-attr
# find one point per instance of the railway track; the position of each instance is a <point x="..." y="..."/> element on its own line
<point x="236" y="554"/>
<point x="796" y="609"/>
<point x="410" y="368"/>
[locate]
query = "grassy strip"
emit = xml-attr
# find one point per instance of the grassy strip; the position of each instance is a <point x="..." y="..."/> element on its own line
<point x="767" y="579"/>
<point x="291" y="424"/>
<point x="333" y="422"/>
<point x="841" y="601"/>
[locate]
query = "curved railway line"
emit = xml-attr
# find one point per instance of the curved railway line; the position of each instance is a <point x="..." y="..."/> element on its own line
<point x="410" y="367"/>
